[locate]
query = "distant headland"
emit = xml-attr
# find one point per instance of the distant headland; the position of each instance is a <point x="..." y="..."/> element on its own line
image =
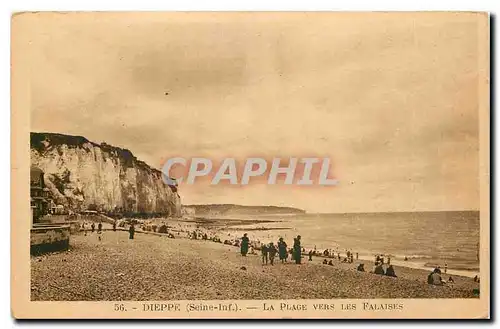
<point x="235" y="209"/>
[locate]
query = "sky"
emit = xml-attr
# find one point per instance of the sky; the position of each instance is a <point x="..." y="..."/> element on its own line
<point x="391" y="99"/>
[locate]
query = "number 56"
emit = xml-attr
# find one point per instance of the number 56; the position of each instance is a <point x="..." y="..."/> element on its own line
<point x="120" y="307"/>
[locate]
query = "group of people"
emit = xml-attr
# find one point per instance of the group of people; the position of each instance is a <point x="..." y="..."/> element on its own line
<point x="330" y="253"/>
<point x="270" y="250"/>
<point x="380" y="259"/>
<point x="92" y="227"/>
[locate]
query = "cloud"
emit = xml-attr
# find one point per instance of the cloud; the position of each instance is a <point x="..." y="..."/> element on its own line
<point x="392" y="99"/>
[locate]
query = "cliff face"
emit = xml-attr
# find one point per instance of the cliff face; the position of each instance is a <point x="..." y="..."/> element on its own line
<point x="85" y="175"/>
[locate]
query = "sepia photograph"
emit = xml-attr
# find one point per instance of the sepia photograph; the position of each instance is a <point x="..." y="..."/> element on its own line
<point x="317" y="164"/>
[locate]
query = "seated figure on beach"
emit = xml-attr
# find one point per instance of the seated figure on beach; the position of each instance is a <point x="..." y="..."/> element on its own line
<point x="282" y="250"/>
<point x="330" y="263"/>
<point x="390" y="272"/>
<point x="325" y="261"/>
<point x="435" y="278"/>
<point x="264" y="252"/>
<point x="379" y="269"/>
<point x="450" y="280"/>
<point x="361" y="267"/>
<point x="325" y="253"/>
<point x="271" y="249"/>
<point x="244" y="244"/>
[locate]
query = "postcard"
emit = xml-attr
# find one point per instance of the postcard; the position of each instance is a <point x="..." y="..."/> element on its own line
<point x="182" y="165"/>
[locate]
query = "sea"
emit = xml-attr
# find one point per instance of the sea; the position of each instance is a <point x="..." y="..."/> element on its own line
<point x="425" y="239"/>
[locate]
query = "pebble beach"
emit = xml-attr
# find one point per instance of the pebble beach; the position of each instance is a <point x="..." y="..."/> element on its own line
<point x="155" y="267"/>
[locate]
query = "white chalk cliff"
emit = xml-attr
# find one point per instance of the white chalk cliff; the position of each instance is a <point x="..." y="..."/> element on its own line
<point x="84" y="175"/>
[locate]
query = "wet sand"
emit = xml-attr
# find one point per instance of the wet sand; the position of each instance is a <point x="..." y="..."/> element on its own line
<point x="154" y="267"/>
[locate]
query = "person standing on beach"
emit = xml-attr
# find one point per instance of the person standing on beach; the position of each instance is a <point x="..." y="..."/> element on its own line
<point x="131" y="232"/>
<point x="114" y="225"/>
<point x="357" y="256"/>
<point x="92" y="227"/>
<point x="263" y="250"/>
<point x="282" y="250"/>
<point x="99" y="227"/>
<point x="272" y="252"/>
<point x="310" y="255"/>
<point x="297" y="251"/>
<point x="244" y="245"/>
<point x="445" y="267"/>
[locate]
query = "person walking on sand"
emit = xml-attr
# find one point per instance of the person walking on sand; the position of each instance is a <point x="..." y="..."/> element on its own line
<point x="244" y="245"/>
<point x="310" y="255"/>
<point x="282" y="250"/>
<point x="264" y="253"/>
<point x="131" y="232"/>
<point x="272" y="252"/>
<point x="297" y="251"/>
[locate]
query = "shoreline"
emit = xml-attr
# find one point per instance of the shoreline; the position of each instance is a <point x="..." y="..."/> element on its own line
<point x="235" y="233"/>
<point x="367" y="259"/>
